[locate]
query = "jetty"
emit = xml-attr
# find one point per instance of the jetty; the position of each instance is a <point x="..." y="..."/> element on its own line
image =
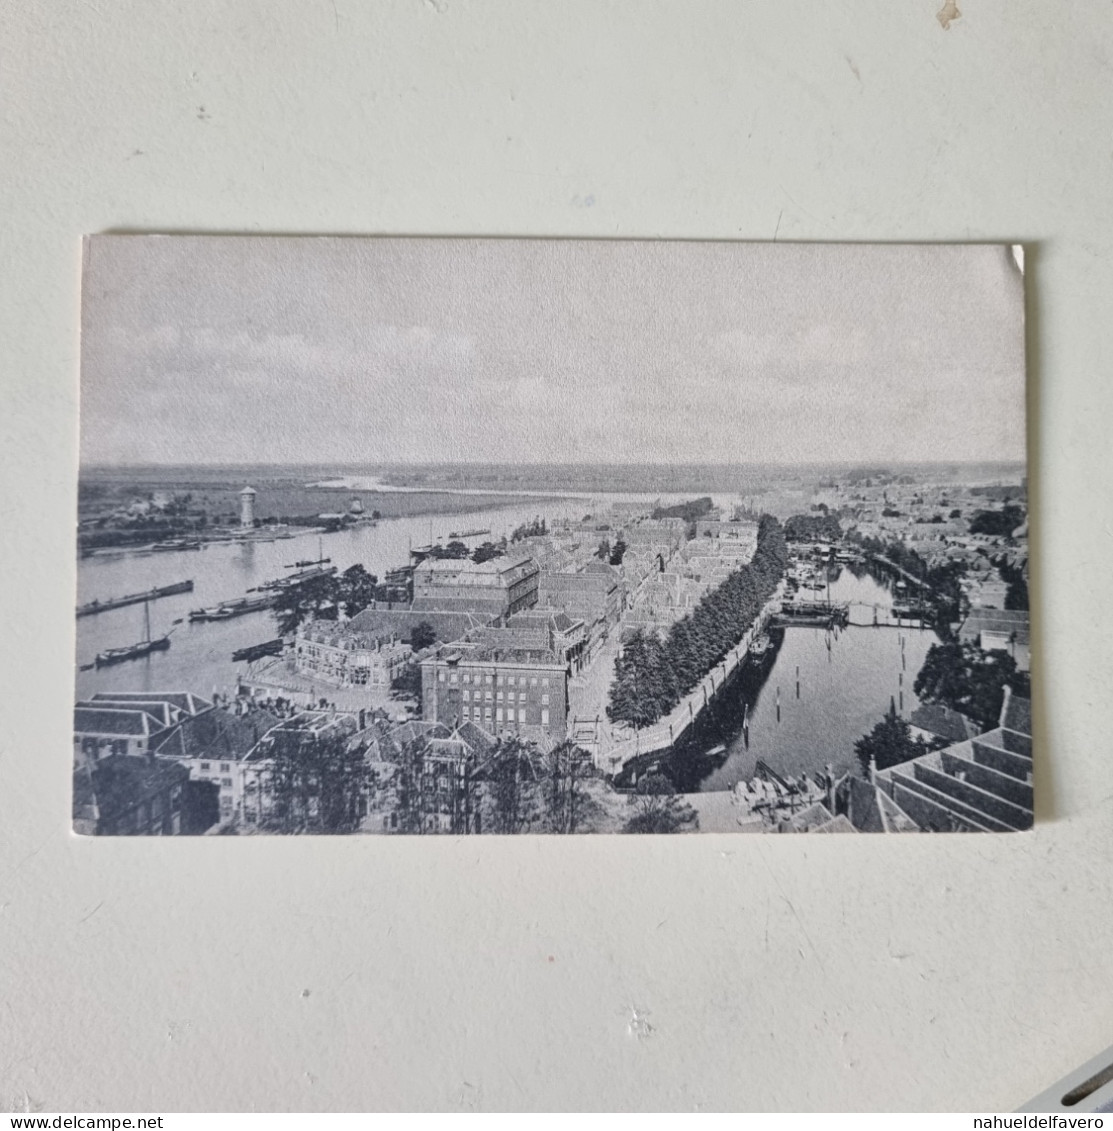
<point x="97" y="606"/>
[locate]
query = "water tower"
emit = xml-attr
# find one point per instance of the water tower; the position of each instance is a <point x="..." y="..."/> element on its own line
<point x="247" y="508"/>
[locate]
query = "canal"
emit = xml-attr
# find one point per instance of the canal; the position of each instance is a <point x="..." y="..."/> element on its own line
<point x="847" y="680"/>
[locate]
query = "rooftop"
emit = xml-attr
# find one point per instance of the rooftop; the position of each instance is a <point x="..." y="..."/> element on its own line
<point x="113" y="721"/>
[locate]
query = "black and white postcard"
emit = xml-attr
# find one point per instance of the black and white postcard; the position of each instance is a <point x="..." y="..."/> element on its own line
<point x="476" y="536"/>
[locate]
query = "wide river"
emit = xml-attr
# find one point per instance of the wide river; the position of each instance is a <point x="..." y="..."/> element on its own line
<point x="843" y="690"/>
<point x="200" y="655"/>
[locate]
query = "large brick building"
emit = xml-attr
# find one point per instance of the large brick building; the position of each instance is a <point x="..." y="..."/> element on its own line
<point x="499" y="587"/>
<point x="506" y="691"/>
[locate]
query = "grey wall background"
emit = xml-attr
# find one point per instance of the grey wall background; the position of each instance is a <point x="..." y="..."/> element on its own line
<point x="923" y="972"/>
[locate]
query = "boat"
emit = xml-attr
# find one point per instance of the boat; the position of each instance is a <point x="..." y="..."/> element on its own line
<point x="299" y="577"/>
<point x="258" y="651"/>
<point x="318" y="561"/>
<point x="226" y="610"/>
<point x="176" y="544"/>
<point x="98" y="606"/>
<point x="760" y="647"/>
<point x="905" y="612"/>
<point x="135" y="651"/>
<point x="467" y="533"/>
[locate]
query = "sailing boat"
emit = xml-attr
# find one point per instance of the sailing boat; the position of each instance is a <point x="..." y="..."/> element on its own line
<point x="320" y="560"/>
<point x="134" y="651"/>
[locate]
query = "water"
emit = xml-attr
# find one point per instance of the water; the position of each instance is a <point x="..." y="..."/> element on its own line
<point x="200" y="655"/>
<point x="844" y="690"/>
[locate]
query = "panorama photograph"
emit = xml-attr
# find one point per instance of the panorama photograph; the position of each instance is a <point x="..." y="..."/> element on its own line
<point x="498" y="536"/>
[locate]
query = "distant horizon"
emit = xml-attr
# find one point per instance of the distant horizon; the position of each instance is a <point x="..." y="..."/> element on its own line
<point x="348" y="464"/>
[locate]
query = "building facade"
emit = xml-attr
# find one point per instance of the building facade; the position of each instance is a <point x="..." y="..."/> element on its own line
<point x="344" y="655"/>
<point x="511" y="692"/>
<point x="499" y="587"/>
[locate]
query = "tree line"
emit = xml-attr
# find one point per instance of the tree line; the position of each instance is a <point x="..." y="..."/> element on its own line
<point x="325" y="784"/>
<point x="810" y="527"/>
<point x="653" y="674"/>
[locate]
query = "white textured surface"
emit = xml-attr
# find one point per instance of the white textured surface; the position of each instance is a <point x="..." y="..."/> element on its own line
<point x="916" y="972"/>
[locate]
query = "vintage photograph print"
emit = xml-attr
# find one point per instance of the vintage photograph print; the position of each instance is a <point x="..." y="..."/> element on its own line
<point x="478" y="536"/>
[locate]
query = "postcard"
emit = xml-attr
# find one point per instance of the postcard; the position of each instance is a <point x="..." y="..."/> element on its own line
<point x="501" y="536"/>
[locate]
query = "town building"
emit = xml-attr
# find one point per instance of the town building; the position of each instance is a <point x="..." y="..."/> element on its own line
<point x="595" y="594"/>
<point x="999" y="630"/>
<point x="129" y="795"/>
<point x="127" y="722"/>
<point x="259" y="790"/>
<point x="499" y="587"/>
<point x="213" y="747"/>
<point x="347" y="654"/>
<point x="506" y="691"/>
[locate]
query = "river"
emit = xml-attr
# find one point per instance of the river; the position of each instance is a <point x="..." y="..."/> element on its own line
<point x="844" y="690"/>
<point x="200" y="655"/>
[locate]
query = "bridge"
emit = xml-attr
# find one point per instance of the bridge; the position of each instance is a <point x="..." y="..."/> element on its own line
<point x="880" y="559"/>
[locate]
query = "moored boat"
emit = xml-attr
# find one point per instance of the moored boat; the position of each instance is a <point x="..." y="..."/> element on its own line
<point x="226" y="610"/>
<point x="135" y="651"/>
<point x="98" y="606"/>
<point x="176" y="544"/>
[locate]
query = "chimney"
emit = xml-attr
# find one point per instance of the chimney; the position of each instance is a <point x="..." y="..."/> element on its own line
<point x="829" y="772"/>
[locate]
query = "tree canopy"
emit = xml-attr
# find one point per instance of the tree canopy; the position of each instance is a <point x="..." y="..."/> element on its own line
<point x="657" y="809"/>
<point x="810" y="527"/>
<point x="889" y="743"/>
<point x="652" y="674"/>
<point x="962" y="677"/>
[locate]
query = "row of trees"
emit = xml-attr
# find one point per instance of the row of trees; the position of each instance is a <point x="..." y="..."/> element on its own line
<point x="653" y="674"/>
<point x="809" y="527"/>
<point x="689" y="511"/>
<point x="998" y="524"/>
<point x="324" y="784"/>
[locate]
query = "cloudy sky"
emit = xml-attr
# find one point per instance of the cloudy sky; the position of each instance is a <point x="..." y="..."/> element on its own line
<point x="245" y="349"/>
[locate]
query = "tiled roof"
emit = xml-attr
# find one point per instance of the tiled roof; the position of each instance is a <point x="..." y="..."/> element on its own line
<point x="87" y="720"/>
<point x="164" y="713"/>
<point x="942" y="721"/>
<point x="218" y="734"/>
<point x="184" y="700"/>
<point x="1016" y="713"/>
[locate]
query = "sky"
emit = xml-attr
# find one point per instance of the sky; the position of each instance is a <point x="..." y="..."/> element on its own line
<point x="244" y="349"/>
